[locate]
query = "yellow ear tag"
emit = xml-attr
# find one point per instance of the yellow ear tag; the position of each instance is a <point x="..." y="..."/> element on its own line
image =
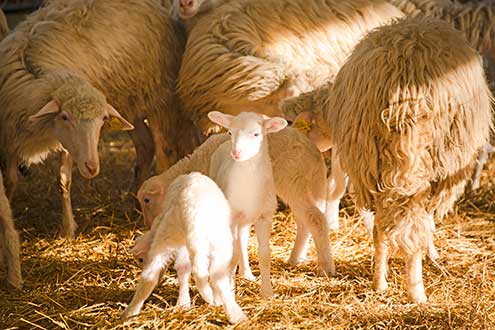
<point x="115" y="124"/>
<point x="302" y="125"/>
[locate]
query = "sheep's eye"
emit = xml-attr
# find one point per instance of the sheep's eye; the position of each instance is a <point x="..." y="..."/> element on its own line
<point x="140" y="260"/>
<point x="106" y="118"/>
<point x="146" y="200"/>
<point x="256" y="134"/>
<point x="64" y="117"/>
<point x="230" y="133"/>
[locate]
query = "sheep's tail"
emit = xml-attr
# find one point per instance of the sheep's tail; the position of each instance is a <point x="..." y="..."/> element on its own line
<point x="9" y="240"/>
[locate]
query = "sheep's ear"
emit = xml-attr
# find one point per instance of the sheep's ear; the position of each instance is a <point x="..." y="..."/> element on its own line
<point x="150" y="189"/>
<point x="49" y="108"/>
<point x="220" y="118"/>
<point x="117" y="122"/>
<point x="275" y="124"/>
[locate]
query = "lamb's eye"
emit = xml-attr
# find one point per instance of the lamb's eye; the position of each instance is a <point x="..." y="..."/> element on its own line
<point x="256" y="134"/>
<point x="230" y="133"/>
<point x="146" y="200"/>
<point x="140" y="260"/>
<point x="64" y="117"/>
<point x="106" y="118"/>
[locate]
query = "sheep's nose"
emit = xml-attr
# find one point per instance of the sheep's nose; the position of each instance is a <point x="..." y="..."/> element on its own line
<point x="186" y="3"/>
<point x="236" y="154"/>
<point x="92" y="167"/>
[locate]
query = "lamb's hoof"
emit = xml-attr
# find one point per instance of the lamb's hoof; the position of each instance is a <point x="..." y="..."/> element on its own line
<point x="248" y="276"/>
<point x="69" y="234"/>
<point x="15" y="283"/>
<point x="418" y="297"/>
<point x="183" y="305"/>
<point x="326" y="271"/>
<point x="237" y="316"/>
<point x="296" y="261"/>
<point x="266" y="292"/>
<point x="128" y="313"/>
<point x="380" y="286"/>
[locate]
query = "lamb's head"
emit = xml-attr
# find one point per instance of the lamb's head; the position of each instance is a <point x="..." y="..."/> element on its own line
<point x="141" y="248"/>
<point x="151" y="195"/>
<point x="186" y="9"/>
<point x="247" y="131"/>
<point x="76" y="114"/>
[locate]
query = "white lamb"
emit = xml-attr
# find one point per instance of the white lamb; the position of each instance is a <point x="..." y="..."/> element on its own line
<point x="197" y="217"/>
<point x="243" y="170"/>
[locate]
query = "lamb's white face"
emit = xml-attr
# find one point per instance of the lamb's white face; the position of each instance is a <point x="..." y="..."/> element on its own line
<point x="247" y="131"/>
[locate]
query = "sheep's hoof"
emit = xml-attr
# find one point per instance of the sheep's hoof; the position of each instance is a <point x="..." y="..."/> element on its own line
<point x="69" y="234"/>
<point x="296" y="261"/>
<point x="326" y="271"/>
<point x="267" y="292"/>
<point x="380" y="285"/>
<point x="248" y="276"/>
<point x="418" y="296"/>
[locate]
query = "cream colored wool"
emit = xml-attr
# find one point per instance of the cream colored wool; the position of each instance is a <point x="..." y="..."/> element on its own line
<point x="250" y="54"/>
<point x="413" y="102"/>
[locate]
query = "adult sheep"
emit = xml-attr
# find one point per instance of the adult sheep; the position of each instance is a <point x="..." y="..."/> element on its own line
<point x="62" y="68"/>
<point x="477" y="21"/>
<point x="250" y="54"/>
<point x="417" y="131"/>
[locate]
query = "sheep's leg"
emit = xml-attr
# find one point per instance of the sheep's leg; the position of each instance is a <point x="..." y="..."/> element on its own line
<point x="262" y="228"/>
<point x="149" y="279"/>
<point x="166" y="156"/>
<point x="219" y="275"/>
<point x="381" y="259"/>
<point x="69" y="226"/>
<point x="432" y="251"/>
<point x="336" y="188"/>
<point x="243" y="240"/>
<point x="415" y="278"/>
<point x="9" y="241"/>
<point x="300" y="249"/>
<point x="12" y="179"/>
<point x="482" y="159"/>
<point x="316" y="222"/>
<point x="368" y="221"/>
<point x="145" y="149"/>
<point x="200" y="267"/>
<point x="183" y="269"/>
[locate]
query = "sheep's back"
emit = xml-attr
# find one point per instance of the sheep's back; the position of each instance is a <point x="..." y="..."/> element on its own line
<point x="412" y="101"/>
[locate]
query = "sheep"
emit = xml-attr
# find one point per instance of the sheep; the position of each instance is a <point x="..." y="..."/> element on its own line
<point x="197" y="216"/>
<point x="62" y="68"/>
<point x="299" y="173"/>
<point x="250" y="54"/>
<point x="418" y="131"/>
<point x="477" y="22"/>
<point x="9" y="240"/>
<point x="4" y="25"/>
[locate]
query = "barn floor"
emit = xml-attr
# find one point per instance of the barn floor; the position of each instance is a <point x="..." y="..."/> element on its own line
<point x="86" y="283"/>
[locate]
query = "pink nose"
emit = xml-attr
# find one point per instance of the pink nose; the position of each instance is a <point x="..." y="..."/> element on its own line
<point x="186" y="3"/>
<point x="92" y="167"/>
<point x="236" y="154"/>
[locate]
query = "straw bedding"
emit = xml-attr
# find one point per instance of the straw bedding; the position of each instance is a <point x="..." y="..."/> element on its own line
<point x="85" y="284"/>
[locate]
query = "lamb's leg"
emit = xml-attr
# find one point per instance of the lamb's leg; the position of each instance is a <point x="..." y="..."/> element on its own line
<point x="149" y="278"/>
<point x="183" y="269"/>
<point x="12" y="179"/>
<point x="415" y="278"/>
<point x="432" y="251"/>
<point x="243" y="240"/>
<point x="145" y="149"/>
<point x="200" y="261"/>
<point x="368" y="220"/>
<point x="381" y="259"/>
<point x="316" y="222"/>
<point x="219" y="275"/>
<point x="336" y="189"/>
<point x="262" y="228"/>
<point x="300" y="249"/>
<point x="9" y="241"/>
<point x="482" y="159"/>
<point x="69" y="226"/>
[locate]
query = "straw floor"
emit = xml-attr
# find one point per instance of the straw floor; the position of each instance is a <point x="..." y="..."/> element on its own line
<point x="86" y="283"/>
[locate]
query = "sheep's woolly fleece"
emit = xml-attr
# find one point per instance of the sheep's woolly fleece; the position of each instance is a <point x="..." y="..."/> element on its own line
<point x="78" y="97"/>
<point x="245" y="53"/>
<point x="419" y="130"/>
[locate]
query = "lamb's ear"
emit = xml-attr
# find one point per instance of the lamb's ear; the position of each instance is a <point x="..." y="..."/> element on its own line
<point x="117" y="122"/>
<point x="49" y="108"/>
<point x="275" y="124"/>
<point x="150" y="189"/>
<point x="220" y="118"/>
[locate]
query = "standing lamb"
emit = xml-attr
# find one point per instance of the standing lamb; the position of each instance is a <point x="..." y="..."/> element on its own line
<point x="299" y="174"/>
<point x="197" y="216"/>
<point x="62" y="67"/>
<point x="418" y="131"/>
<point x="250" y="54"/>
<point x="242" y="168"/>
<point x="9" y="240"/>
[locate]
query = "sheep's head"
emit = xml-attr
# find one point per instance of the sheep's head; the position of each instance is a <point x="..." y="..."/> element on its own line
<point x="151" y="196"/>
<point x="141" y="248"/>
<point x="76" y="113"/>
<point x="247" y="131"/>
<point x="189" y="8"/>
